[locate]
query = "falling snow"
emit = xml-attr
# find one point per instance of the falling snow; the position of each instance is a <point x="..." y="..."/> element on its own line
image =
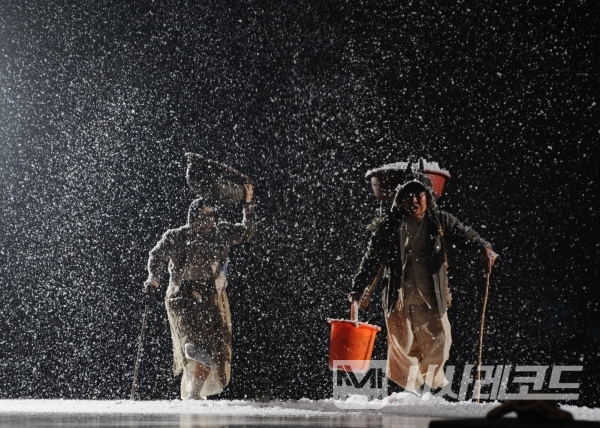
<point x="99" y="101"/>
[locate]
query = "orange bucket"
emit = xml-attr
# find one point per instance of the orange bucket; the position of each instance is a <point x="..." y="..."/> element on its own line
<point x="438" y="180"/>
<point x="351" y="340"/>
<point x="387" y="178"/>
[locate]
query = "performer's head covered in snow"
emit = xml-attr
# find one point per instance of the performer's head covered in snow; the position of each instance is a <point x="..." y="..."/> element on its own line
<point x="203" y="215"/>
<point x="414" y="183"/>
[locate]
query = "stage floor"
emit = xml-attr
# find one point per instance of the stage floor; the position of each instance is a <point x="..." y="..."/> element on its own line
<point x="394" y="411"/>
<point x="198" y="420"/>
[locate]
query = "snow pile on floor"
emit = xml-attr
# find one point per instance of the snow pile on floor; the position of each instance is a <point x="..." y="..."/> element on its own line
<point x="396" y="404"/>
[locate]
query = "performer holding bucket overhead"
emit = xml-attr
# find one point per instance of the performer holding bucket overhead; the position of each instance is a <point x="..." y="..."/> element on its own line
<point x="197" y="255"/>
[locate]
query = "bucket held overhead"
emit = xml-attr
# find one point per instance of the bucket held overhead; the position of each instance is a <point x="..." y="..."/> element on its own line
<point x="214" y="180"/>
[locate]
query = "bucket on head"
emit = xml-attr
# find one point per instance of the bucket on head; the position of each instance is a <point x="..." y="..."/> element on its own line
<point x="352" y="342"/>
<point x="210" y="179"/>
<point x="387" y="178"/>
<point x="438" y="180"/>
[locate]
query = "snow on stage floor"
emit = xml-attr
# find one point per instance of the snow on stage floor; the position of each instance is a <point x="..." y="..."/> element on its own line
<point x="396" y="411"/>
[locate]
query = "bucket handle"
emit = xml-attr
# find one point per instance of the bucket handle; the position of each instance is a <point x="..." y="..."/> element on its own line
<point x="354" y="312"/>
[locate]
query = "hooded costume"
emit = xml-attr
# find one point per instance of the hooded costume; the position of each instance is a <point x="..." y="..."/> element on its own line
<point x="196" y="301"/>
<point x="411" y="259"/>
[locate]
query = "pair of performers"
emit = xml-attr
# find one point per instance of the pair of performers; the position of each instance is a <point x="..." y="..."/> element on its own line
<point x="407" y="248"/>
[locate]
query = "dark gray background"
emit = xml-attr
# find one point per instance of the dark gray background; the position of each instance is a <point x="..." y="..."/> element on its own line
<point x="99" y="101"/>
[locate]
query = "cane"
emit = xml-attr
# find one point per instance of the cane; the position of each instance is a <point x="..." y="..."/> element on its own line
<point x="477" y="391"/>
<point x="139" y="351"/>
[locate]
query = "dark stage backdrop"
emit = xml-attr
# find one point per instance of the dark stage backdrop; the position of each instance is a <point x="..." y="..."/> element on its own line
<point x="99" y="100"/>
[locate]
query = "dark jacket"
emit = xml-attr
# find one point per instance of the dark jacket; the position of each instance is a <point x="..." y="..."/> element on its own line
<point x="386" y="253"/>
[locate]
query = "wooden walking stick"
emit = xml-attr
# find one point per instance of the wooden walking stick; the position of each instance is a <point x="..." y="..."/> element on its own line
<point x="477" y="390"/>
<point x="139" y="352"/>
